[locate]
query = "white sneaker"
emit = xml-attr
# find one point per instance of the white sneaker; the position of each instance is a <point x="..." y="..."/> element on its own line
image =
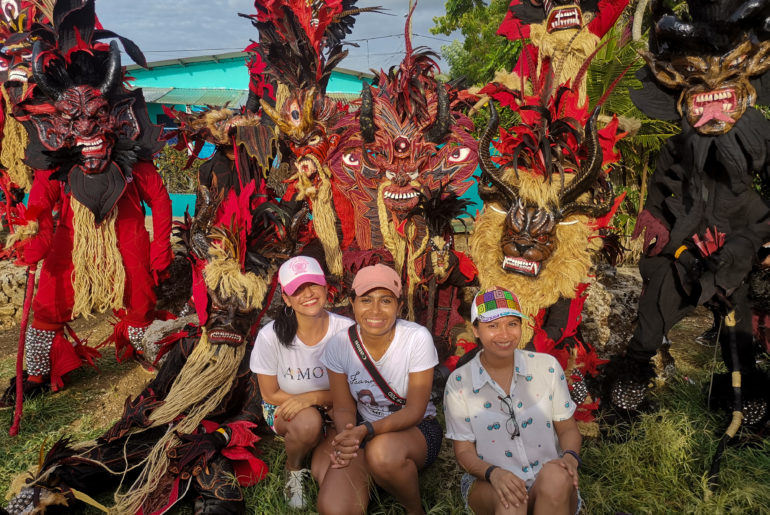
<point x="293" y="490"/>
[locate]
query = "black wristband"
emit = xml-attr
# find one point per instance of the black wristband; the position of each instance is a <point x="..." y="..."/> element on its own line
<point x="369" y="429"/>
<point x="488" y="473"/>
<point x="574" y="455"/>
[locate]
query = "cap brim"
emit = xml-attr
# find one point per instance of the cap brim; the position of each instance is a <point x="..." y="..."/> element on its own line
<point x="499" y="313"/>
<point x="363" y="289"/>
<point x="292" y="286"/>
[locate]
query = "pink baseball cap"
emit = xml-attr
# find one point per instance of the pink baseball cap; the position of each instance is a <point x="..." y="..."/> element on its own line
<point x="300" y="270"/>
<point x="376" y="276"/>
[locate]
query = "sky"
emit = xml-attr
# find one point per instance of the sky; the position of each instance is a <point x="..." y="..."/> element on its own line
<point x="169" y="29"/>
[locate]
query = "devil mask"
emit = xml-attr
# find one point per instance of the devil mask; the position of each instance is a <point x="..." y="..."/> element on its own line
<point x="405" y="140"/>
<point x="705" y="63"/>
<point x="81" y="120"/>
<point x="555" y="160"/>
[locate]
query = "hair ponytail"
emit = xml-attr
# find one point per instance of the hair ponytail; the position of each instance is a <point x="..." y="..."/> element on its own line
<point x="285" y="326"/>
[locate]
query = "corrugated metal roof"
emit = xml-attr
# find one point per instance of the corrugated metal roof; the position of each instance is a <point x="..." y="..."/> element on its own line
<point x="197" y="96"/>
<point x="153" y="94"/>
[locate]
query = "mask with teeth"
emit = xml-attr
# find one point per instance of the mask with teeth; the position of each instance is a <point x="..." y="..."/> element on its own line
<point x="408" y="137"/>
<point x="229" y="320"/>
<point x="716" y="89"/>
<point x="81" y="120"/>
<point x="562" y="15"/>
<point x="550" y="171"/>
<point x="705" y="61"/>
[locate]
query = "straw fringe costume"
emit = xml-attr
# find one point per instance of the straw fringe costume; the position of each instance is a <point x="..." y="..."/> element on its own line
<point x="562" y="34"/>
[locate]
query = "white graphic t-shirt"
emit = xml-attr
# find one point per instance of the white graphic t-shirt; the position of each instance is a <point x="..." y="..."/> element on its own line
<point x="298" y="368"/>
<point x="411" y="350"/>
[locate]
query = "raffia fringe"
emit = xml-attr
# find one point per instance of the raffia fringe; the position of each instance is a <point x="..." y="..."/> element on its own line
<point x="15" y="141"/>
<point x="204" y="381"/>
<point x="99" y="277"/>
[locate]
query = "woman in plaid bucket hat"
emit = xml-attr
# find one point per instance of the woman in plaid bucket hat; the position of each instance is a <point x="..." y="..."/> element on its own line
<point x="509" y="414"/>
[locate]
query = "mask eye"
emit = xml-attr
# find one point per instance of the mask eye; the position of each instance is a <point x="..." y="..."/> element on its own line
<point x="737" y="61"/>
<point x="459" y="154"/>
<point x="315" y="140"/>
<point x="351" y="160"/>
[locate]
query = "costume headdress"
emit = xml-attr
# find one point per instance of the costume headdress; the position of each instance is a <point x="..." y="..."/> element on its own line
<point x="300" y="43"/>
<point x="83" y="121"/>
<point x="546" y="195"/>
<point x="708" y="68"/>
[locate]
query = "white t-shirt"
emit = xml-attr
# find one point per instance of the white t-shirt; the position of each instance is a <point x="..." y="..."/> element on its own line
<point x="298" y="368"/>
<point x="473" y="405"/>
<point x="411" y="350"/>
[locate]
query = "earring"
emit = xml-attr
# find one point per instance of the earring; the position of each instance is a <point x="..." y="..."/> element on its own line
<point x="288" y="311"/>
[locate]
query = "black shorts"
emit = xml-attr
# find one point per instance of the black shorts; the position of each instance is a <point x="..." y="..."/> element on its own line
<point x="431" y="430"/>
<point x="434" y="434"/>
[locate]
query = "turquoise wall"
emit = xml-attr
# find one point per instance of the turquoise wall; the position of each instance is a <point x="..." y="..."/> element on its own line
<point x="226" y="73"/>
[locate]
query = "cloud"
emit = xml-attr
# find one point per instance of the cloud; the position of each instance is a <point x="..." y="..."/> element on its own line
<point x="165" y="30"/>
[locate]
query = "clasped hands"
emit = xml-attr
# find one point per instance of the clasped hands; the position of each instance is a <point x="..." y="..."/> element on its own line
<point x="345" y="445"/>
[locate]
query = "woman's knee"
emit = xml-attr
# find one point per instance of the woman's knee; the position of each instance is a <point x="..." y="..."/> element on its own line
<point x="342" y="498"/>
<point x="553" y="482"/>
<point x="383" y="454"/>
<point x="306" y="427"/>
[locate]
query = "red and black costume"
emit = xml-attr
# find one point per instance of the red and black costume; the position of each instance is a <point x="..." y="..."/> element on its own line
<point x="191" y="429"/>
<point x="91" y="146"/>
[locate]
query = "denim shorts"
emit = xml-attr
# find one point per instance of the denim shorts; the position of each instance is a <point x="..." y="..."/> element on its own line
<point x="466" y="482"/>
<point x="268" y="412"/>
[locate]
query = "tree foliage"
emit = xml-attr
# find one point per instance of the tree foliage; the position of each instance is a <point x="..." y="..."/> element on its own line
<point x="482" y="52"/>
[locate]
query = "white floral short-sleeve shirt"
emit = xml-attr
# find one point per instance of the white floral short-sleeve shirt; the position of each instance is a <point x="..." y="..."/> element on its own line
<point x="477" y="411"/>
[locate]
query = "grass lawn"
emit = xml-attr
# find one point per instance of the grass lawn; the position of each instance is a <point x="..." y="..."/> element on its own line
<point x="658" y="465"/>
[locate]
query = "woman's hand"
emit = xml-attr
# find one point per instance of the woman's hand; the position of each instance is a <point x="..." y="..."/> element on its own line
<point x="570" y="464"/>
<point x="345" y="445"/>
<point x="509" y="488"/>
<point x="293" y="405"/>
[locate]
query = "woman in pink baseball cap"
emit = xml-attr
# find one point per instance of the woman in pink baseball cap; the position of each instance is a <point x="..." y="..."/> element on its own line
<point x="380" y="375"/>
<point x="293" y="381"/>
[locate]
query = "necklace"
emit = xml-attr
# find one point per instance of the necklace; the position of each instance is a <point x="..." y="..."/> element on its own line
<point x="506" y="386"/>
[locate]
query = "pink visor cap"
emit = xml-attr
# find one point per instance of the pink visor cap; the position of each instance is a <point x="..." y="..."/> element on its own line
<point x="300" y="270"/>
<point x="376" y="276"/>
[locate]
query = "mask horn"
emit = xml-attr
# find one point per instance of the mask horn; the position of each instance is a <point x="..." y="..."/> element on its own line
<point x="112" y="77"/>
<point x="366" y="118"/>
<point x="440" y="128"/>
<point x="42" y="80"/>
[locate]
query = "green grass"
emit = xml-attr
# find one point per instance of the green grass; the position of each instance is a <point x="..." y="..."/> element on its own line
<point x="657" y="465"/>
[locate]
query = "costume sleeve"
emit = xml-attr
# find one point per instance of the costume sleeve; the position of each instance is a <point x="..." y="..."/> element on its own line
<point x="457" y="415"/>
<point x="264" y="357"/>
<point x="607" y="13"/>
<point x="562" y="406"/>
<point x="736" y="255"/>
<point x="332" y="358"/>
<point x="423" y="355"/>
<point x="153" y="192"/>
<point x="43" y="196"/>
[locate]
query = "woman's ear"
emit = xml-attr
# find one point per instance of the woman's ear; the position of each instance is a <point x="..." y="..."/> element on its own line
<point x="476" y="332"/>
<point x="286" y="299"/>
